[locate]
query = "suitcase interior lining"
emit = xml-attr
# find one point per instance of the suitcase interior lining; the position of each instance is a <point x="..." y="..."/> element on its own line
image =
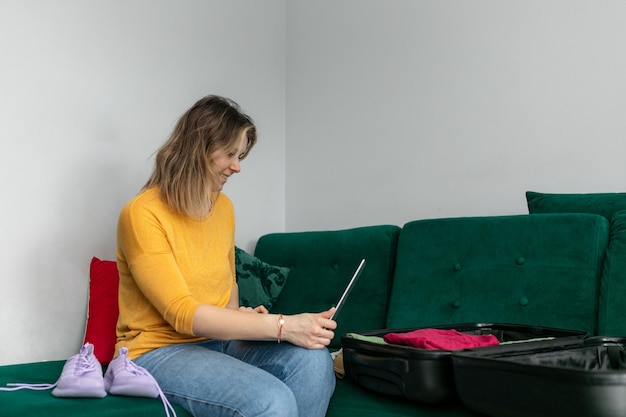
<point x="608" y="357"/>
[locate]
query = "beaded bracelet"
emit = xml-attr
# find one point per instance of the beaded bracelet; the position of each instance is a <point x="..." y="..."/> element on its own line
<point x="281" y="321"/>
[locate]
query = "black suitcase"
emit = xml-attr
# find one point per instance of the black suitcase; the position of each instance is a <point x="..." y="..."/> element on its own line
<point x="425" y="375"/>
<point x="579" y="378"/>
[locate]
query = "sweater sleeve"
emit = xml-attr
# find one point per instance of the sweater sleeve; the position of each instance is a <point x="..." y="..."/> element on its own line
<point x="150" y="265"/>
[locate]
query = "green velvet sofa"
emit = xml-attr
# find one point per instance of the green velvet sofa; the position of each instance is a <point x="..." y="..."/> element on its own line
<point x="562" y="265"/>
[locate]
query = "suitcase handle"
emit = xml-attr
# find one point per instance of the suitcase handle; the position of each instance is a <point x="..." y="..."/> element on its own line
<point x="614" y="355"/>
<point x="397" y="365"/>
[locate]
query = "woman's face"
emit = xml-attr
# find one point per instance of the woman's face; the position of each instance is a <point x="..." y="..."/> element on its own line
<point x="226" y="163"/>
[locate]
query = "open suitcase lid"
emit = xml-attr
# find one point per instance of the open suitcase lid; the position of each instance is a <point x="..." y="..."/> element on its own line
<point x="576" y="378"/>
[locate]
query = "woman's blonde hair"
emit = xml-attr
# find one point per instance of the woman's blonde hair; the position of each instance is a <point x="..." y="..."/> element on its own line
<point x="182" y="169"/>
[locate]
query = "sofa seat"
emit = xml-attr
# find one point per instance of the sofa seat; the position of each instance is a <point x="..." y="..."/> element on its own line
<point x="350" y="400"/>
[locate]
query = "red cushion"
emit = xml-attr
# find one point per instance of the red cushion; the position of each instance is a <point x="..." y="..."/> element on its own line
<point x="102" y="309"/>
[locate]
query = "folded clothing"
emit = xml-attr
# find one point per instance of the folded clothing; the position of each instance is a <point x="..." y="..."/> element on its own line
<point x="372" y="339"/>
<point x="440" y="339"/>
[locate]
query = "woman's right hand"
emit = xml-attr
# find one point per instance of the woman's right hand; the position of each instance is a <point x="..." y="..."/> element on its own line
<point x="309" y="330"/>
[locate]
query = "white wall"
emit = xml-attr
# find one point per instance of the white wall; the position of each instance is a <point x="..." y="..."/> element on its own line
<point x="88" y="91"/>
<point x="394" y="110"/>
<point x="406" y="109"/>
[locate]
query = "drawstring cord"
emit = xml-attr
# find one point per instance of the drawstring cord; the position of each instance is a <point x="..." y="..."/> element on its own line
<point x="135" y="369"/>
<point x="36" y="387"/>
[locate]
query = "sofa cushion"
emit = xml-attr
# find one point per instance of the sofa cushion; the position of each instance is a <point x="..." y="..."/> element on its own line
<point x="349" y="400"/>
<point x="102" y="310"/>
<point x="322" y="263"/>
<point x="530" y="269"/>
<point x="604" y="204"/>
<point x="259" y="283"/>
<point x="612" y="309"/>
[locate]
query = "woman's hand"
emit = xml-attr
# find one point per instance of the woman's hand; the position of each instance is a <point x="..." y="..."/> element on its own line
<point x="309" y="330"/>
<point x="260" y="309"/>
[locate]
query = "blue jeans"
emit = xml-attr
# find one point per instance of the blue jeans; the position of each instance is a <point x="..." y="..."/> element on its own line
<point x="245" y="379"/>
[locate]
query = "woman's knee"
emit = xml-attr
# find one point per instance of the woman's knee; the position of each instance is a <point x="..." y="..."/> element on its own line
<point x="313" y="382"/>
<point x="274" y="400"/>
<point x="318" y="364"/>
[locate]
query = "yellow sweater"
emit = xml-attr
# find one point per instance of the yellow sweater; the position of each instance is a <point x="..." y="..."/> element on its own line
<point x="169" y="264"/>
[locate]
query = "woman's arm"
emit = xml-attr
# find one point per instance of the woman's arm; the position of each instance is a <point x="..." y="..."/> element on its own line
<point x="308" y="330"/>
<point x="233" y="302"/>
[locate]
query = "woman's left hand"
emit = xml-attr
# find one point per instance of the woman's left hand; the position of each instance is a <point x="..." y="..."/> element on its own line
<point x="260" y="309"/>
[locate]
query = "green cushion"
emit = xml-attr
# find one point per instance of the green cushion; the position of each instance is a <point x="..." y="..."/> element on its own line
<point x="604" y="204"/>
<point x="322" y="263"/>
<point x="612" y="310"/>
<point x="27" y="403"/>
<point x="259" y="283"/>
<point x="350" y="400"/>
<point x="530" y="269"/>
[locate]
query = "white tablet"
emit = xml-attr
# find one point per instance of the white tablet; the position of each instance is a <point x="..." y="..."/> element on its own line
<point x="349" y="287"/>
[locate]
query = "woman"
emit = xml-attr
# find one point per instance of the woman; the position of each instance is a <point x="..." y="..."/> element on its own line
<point x="179" y="311"/>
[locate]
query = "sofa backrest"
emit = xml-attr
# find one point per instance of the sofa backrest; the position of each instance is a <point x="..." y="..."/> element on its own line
<point x="322" y="263"/>
<point x="529" y="269"/>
